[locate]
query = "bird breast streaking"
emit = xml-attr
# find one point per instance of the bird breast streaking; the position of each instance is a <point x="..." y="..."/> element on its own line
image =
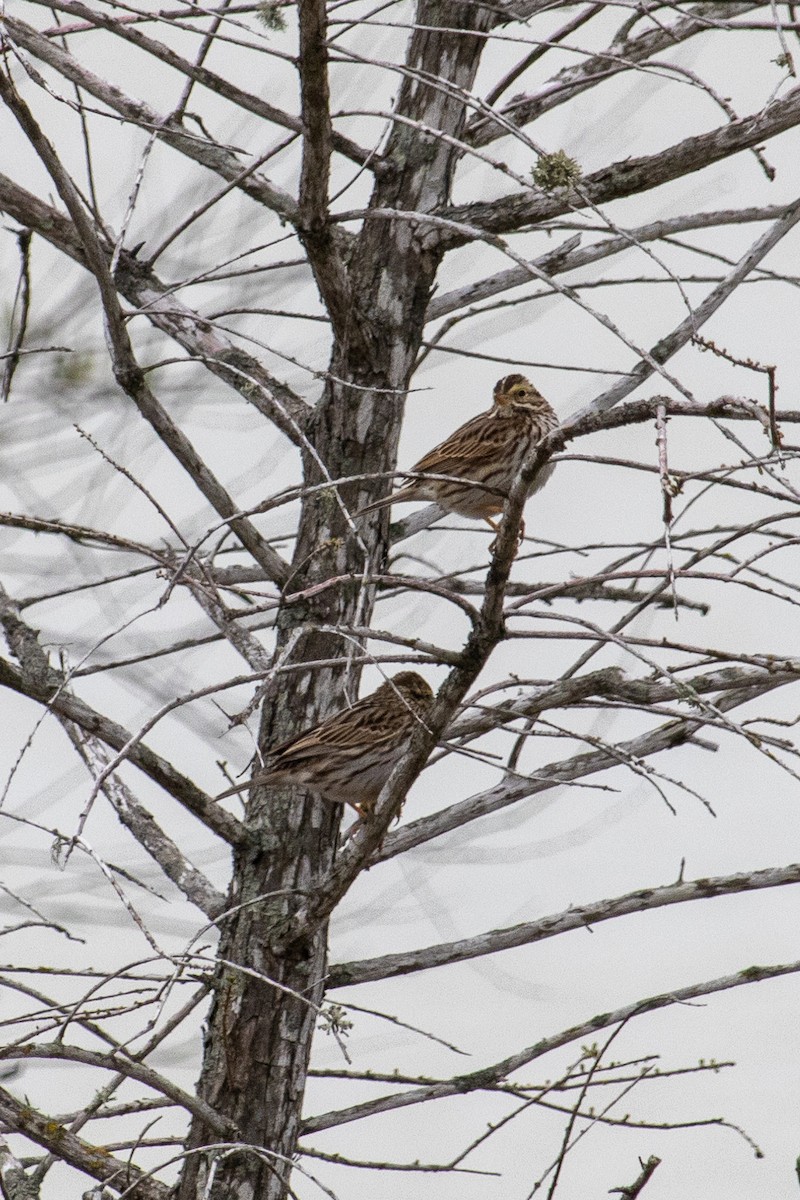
<point x="349" y="757"/>
<point x="484" y="455"/>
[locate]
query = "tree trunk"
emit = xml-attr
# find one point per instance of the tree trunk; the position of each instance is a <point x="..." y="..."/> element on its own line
<point x="260" y="1033"/>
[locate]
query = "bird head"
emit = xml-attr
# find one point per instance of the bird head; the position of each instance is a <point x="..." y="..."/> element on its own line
<point x="516" y="389"/>
<point x="412" y="687"/>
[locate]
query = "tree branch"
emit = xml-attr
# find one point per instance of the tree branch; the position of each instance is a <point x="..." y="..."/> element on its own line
<point x="131" y="1068"/>
<point x="664" y="737"/>
<point x="215" y="83"/>
<point x="582" y="917"/>
<point x="629" y="176"/>
<point x="612" y="683"/>
<point x="39" y="681"/>
<point x="157" y="301"/>
<point x="637" y="1187"/>
<point x="216" y="158"/>
<point x="570" y="256"/>
<point x="314" y="228"/>
<point x="126" y="369"/>
<point x="592" y="69"/>
<point x="148" y="833"/>
<point x="683" y="333"/>
<point x="489" y="1076"/>
<point x="92" y="1160"/>
<point x="14" y="1183"/>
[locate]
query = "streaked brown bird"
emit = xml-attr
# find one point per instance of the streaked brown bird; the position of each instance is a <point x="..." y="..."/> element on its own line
<point x="484" y="455"/>
<point x="349" y="757"/>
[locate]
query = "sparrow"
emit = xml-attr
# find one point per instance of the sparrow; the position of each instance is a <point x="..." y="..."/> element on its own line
<point x="348" y="757"/>
<point x="483" y="456"/>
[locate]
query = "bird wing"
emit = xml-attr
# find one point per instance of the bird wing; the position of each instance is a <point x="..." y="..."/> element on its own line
<point x="343" y="734"/>
<point x="469" y="443"/>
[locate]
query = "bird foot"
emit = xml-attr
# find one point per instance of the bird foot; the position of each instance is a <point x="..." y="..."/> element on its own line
<point x="520" y="538"/>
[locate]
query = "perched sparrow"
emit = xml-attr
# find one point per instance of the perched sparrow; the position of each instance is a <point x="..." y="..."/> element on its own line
<point x="486" y="454"/>
<point x="349" y="757"/>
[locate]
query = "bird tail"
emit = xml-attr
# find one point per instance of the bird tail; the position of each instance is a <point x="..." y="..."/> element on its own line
<point x="259" y="777"/>
<point x="376" y="504"/>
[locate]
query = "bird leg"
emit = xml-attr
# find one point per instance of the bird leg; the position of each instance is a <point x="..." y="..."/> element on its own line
<point x="496" y="527"/>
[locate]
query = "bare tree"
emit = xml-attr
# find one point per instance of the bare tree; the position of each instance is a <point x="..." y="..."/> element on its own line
<point x="274" y="277"/>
